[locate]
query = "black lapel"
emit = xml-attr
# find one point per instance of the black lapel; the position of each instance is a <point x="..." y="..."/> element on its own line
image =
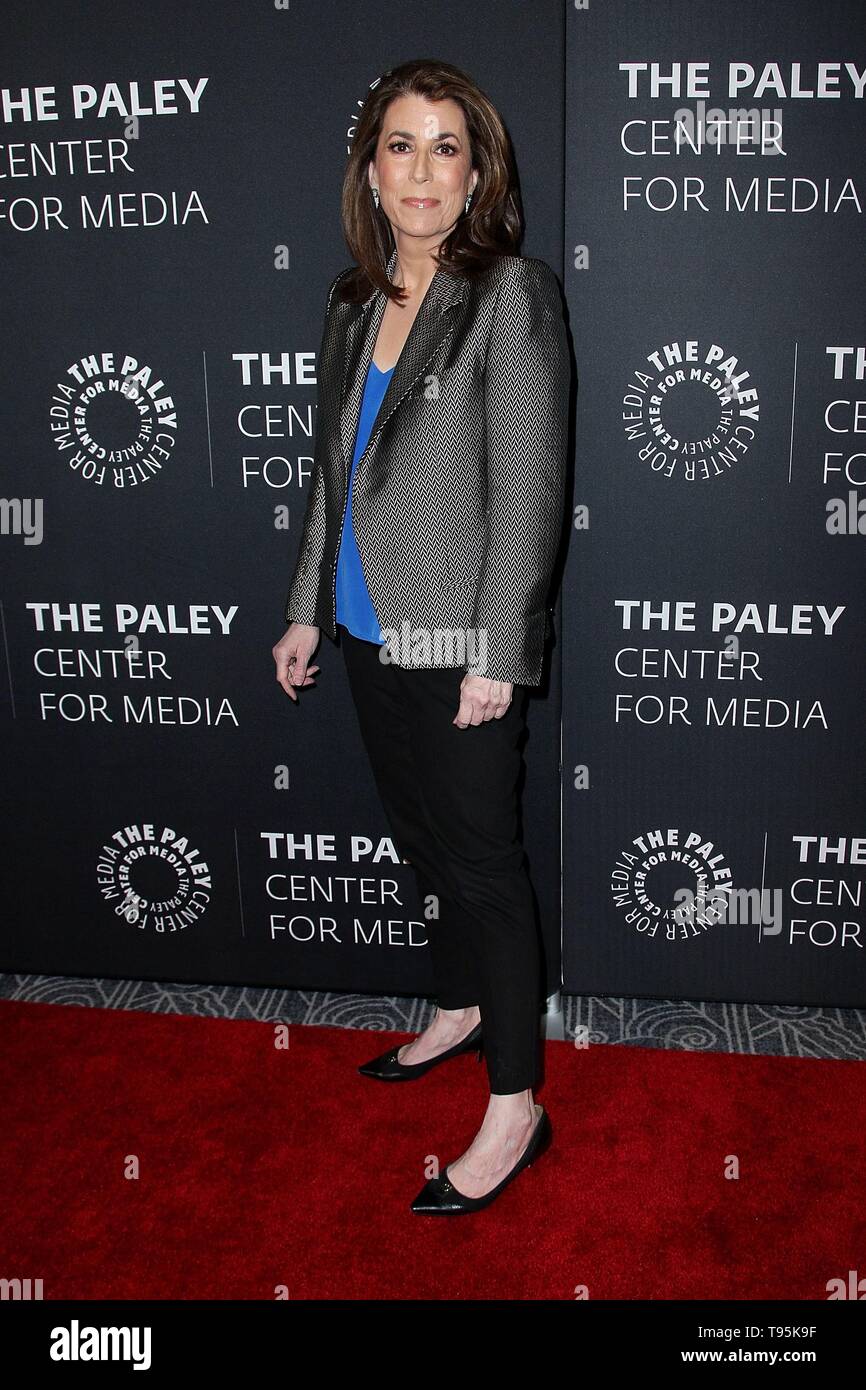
<point x="432" y="325"/>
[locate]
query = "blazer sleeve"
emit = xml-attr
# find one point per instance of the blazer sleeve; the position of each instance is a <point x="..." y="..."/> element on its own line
<point x="303" y="594"/>
<point x="526" y="391"/>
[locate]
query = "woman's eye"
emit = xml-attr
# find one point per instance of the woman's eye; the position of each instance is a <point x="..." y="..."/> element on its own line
<point x="399" y="145"/>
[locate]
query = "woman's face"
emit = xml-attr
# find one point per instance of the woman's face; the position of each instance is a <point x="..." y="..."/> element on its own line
<point x="422" y="167"/>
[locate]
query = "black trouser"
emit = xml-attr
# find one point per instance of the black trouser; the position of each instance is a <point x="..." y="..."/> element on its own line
<point x="450" y="796"/>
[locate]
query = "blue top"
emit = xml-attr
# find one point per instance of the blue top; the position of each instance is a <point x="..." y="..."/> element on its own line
<point x="354" y="606"/>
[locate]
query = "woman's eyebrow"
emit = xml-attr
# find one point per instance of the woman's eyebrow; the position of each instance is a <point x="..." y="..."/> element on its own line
<point x="407" y="135"/>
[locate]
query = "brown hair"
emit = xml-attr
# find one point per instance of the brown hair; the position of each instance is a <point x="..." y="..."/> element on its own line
<point x="493" y="225"/>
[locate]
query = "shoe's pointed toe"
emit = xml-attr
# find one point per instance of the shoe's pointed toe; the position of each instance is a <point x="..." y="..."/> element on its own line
<point x="387" y="1067"/>
<point x="383" y="1067"/>
<point x="437" y="1196"/>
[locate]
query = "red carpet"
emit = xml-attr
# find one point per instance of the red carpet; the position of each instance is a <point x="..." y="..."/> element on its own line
<point x="260" y="1168"/>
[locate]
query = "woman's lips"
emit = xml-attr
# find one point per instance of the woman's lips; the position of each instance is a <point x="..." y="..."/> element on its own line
<point x="421" y="202"/>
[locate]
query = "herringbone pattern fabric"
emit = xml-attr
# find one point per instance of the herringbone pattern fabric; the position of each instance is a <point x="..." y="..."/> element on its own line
<point x="458" y="498"/>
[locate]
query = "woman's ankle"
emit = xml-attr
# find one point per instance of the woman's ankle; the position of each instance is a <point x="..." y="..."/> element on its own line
<point x="513" y="1109"/>
<point x="456" y="1017"/>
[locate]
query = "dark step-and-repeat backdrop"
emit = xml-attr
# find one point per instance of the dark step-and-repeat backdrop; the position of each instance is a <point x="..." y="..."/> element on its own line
<point x="713" y="741"/>
<point x="169" y="224"/>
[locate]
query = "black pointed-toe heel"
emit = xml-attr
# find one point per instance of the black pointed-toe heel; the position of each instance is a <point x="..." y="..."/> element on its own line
<point x="388" y="1068"/>
<point x="439" y="1196"/>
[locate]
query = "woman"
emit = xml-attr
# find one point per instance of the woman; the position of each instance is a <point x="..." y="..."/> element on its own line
<point x="430" y="536"/>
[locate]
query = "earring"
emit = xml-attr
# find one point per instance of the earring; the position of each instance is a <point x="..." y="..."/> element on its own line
<point x="375" y="192"/>
<point x="466" y="205"/>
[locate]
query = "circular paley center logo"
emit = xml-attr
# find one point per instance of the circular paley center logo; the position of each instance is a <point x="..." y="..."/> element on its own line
<point x="671" y="883"/>
<point x="154" y="878"/>
<point x="113" y="420"/>
<point x="690" y="411"/>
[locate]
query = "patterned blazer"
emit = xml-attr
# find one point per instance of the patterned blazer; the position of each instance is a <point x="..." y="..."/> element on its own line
<point x="458" y="497"/>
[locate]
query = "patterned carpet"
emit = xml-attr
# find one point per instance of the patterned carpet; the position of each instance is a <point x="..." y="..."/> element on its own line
<point x="780" y="1030"/>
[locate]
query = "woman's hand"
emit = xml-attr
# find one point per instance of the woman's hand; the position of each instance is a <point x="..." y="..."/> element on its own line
<point x="292" y="655"/>
<point x="482" y="699"/>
